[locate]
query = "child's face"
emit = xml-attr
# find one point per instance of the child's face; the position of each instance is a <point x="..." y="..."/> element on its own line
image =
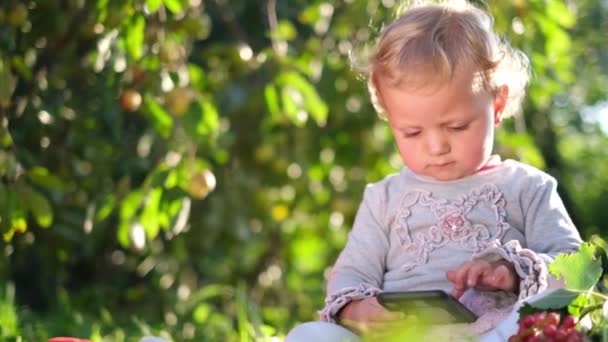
<point x="446" y="133"/>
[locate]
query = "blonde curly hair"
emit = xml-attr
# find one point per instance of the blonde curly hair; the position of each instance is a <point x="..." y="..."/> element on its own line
<point x="431" y="41"/>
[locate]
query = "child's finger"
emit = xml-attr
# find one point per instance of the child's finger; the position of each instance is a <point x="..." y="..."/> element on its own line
<point x="502" y="278"/>
<point x="475" y="273"/>
<point x="459" y="279"/>
<point x="461" y="274"/>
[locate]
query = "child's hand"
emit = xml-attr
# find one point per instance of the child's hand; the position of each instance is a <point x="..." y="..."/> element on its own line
<point x="366" y="314"/>
<point x="485" y="276"/>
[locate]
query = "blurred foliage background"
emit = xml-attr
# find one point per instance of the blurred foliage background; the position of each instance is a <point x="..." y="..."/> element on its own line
<point x="191" y="168"/>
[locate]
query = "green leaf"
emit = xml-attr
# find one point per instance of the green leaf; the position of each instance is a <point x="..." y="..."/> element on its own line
<point x="153" y="5"/>
<point x="197" y="76"/>
<point x="42" y="177"/>
<point x="578" y="304"/>
<point x="128" y="208"/>
<point x="210" y="122"/>
<point x="286" y="31"/>
<point x="6" y="140"/>
<point x="558" y="42"/>
<point x="201" y="313"/>
<point x="290" y="105"/>
<point x="309" y="253"/>
<point x="202" y="120"/>
<point x="558" y="11"/>
<point x="12" y="213"/>
<point x="135" y="37"/>
<point x="130" y="204"/>
<point x="18" y="222"/>
<point x="556" y="300"/>
<point x="161" y="120"/>
<point x="580" y="270"/>
<point x="36" y="204"/>
<point x="102" y="10"/>
<point x="173" y="5"/>
<point x="272" y="100"/>
<point x="106" y="204"/>
<point x="310" y="15"/>
<point x="311" y="99"/>
<point x="8" y="82"/>
<point x="149" y="215"/>
<point x="179" y="211"/>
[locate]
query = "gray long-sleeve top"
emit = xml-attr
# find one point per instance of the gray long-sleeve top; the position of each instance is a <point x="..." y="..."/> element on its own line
<point x="411" y="229"/>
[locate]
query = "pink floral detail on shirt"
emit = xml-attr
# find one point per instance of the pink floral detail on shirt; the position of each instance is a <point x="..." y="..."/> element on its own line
<point x="451" y="223"/>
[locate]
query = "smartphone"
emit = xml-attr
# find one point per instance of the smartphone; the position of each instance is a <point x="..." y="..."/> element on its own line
<point x="433" y="306"/>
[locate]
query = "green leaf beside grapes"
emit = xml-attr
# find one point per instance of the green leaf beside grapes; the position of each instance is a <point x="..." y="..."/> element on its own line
<point x="581" y="299"/>
<point x="580" y="270"/>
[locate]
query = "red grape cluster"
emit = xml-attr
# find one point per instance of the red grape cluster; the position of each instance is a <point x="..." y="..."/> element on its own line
<point x="547" y="326"/>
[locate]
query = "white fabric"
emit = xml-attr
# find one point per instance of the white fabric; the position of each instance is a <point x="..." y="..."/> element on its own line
<point x="321" y="332"/>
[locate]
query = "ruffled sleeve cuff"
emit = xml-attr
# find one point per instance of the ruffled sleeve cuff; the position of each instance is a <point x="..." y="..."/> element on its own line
<point x="531" y="269"/>
<point x="336" y="301"/>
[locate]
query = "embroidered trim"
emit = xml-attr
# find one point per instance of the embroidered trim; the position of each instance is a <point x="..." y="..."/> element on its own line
<point x="530" y="268"/>
<point x="452" y="223"/>
<point x="336" y="301"/>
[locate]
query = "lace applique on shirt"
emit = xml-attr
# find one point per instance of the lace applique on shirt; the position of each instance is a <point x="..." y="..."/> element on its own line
<point x="452" y="224"/>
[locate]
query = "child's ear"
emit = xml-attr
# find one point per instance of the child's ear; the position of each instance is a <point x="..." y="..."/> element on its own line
<point x="500" y="102"/>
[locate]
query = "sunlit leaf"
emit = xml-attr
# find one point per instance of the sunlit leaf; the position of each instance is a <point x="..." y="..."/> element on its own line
<point x="201" y="313"/>
<point x="153" y="5"/>
<point x="197" y="75"/>
<point x="105" y="207"/>
<point x="128" y="208"/>
<point x="311" y="99"/>
<point x="173" y="5"/>
<point x="272" y="100"/>
<point x="36" y="204"/>
<point x="135" y="37"/>
<point x="210" y="120"/>
<point x="13" y="213"/>
<point x="308" y="253"/>
<point x="149" y="215"/>
<point x="310" y="15"/>
<point x="179" y="212"/>
<point x="102" y="10"/>
<point x="286" y="30"/>
<point x="290" y="106"/>
<point x="161" y="120"/>
<point x="580" y="270"/>
<point x="41" y="176"/>
<point x="557" y="10"/>
<point x="558" y="42"/>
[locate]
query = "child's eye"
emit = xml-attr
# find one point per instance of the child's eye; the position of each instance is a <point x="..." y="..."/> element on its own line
<point x="458" y="127"/>
<point x="411" y="134"/>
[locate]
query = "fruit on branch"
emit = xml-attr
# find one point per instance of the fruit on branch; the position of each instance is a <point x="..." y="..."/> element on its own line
<point x="130" y="100"/>
<point x="178" y="100"/>
<point x="201" y="184"/>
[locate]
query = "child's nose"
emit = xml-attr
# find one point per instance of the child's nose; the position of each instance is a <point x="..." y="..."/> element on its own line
<point x="437" y="144"/>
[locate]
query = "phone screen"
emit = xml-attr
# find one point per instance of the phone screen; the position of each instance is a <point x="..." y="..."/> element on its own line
<point x="436" y="307"/>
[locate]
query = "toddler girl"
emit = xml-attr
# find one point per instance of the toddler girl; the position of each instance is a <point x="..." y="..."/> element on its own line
<point x="456" y="218"/>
